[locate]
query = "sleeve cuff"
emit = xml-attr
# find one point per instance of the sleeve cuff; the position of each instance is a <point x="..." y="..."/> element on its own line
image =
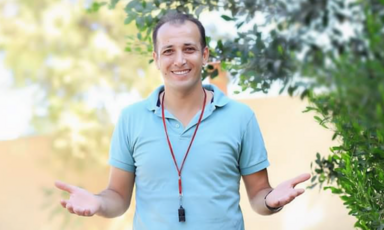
<point x="122" y="165"/>
<point x="255" y="168"/>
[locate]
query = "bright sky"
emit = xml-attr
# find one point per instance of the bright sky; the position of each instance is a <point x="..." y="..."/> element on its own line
<point x="15" y="106"/>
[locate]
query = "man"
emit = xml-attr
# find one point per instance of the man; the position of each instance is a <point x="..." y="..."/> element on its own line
<point x="185" y="148"/>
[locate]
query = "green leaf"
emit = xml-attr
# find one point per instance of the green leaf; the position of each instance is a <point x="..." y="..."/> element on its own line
<point x="334" y="136"/>
<point x="318" y="119"/>
<point x="113" y="3"/>
<point x="223" y="65"/>
<point x="138" y="6"/>
<point x="140" y="23"/>
<point x="238" y="25"/>
<point x="199" y="9"/>
<point x="309" y="108"/>
<point x="292" y="89"/>
<point x="312" y="186"/>
<point x="280" y="49"/>
<point x="333" y="189"/>
<point x="227" y="18"/>
<point x="95" y="7"/>
<point x="214" y="74"/>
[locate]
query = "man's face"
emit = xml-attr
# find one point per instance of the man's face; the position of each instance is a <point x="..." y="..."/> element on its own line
<point x="179" y="55"/>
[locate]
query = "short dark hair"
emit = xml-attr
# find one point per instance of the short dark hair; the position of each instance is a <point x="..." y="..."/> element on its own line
<point x="180" y="18"/>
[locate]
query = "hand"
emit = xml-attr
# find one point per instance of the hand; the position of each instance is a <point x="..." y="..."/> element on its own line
<point x="285" y="192"/>
<point x="80" y="202"/>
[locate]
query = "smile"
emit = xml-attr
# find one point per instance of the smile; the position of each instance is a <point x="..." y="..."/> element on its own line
<point x="182" y="72"/>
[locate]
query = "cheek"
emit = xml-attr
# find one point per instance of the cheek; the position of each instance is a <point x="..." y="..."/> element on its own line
<point x="165" y="63"/>
<point x="197" y="59"/>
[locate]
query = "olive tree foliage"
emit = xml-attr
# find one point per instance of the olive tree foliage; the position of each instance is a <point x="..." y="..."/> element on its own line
<point x="354" y="107"/>
<point x="76" y="64"/>
<point x="328" y="51"/>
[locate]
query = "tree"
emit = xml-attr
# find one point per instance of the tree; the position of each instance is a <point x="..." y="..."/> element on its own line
<point x="328" y="51"/>
<point x="75" y="62"/>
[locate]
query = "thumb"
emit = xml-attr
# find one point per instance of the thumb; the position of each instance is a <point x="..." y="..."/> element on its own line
<point x="65" y="187"/>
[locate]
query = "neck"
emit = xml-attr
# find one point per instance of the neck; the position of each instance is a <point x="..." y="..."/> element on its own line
<point x="184" y="105"/>
<point x="184" y="100"/>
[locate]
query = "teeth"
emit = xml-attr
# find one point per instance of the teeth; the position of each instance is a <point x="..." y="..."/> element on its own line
<point x="181" y="72"/>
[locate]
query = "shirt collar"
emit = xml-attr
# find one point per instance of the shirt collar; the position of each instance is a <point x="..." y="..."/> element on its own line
<point x="219" y="99"/>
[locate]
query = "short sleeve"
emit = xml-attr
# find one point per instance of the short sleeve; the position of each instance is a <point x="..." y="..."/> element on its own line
<point x="120" y="153"/>
<point x="253" y="155"/>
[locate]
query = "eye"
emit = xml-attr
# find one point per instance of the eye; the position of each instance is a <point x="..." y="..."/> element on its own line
<point x="167" y="52"/>
<point x="190" y="49"/>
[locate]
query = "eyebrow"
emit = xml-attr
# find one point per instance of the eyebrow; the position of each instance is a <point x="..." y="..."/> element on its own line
<point x="166" y="47"/>
<point x="170" y="46"/>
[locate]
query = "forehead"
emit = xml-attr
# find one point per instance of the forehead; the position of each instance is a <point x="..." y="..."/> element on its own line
<point x="174" y="34"/>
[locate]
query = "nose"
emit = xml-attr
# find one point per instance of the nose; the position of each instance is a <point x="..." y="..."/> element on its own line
<point x="179" y="59"/>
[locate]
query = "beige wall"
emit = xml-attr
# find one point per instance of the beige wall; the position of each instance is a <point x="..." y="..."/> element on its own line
<point x="292" y="139"/>
<point x="27" y="166"/>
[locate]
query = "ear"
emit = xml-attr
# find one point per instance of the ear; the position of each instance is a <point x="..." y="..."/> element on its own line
<point x="205" y="55"/>
<point x="155" y="58"/>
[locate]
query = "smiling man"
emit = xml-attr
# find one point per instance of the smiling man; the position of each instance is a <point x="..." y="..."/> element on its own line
<point x="185" y="148"/>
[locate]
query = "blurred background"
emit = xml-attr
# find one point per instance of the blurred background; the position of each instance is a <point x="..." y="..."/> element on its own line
<point x="64" y="78"/>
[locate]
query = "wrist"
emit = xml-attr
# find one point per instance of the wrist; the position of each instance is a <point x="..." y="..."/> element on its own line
<point x="100" y="207"/>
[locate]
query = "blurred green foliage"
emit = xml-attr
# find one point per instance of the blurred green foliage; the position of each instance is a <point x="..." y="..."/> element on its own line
<point x="76" y="63"/>
<point x="328" y="51"/>
<point x="354" y="109"/>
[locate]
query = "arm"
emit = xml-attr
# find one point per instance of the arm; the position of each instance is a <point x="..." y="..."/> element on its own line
<point x="111" y="202"/>
<point x="117" y="197"/>
<point x="257" y="186"/>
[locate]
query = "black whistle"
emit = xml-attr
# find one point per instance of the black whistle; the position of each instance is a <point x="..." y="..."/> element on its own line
<point x="181" y="214"/>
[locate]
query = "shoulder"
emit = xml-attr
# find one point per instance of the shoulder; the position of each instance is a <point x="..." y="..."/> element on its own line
<point x="135" y="108"/>
<point x="229" y="106"/>
<point x="238" y="110"/>
<point x="239" y="106"/>
<point x="143" y="107"/>
<point x="135" y="114"/>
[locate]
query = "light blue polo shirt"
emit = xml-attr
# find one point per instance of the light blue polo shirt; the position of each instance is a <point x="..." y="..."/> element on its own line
<point x="228" y="144"/>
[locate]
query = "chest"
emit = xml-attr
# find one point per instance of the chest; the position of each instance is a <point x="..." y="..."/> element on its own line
<point x="214" y="152"/>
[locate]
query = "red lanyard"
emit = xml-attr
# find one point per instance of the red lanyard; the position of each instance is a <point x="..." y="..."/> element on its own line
<point x="190" y="144"/>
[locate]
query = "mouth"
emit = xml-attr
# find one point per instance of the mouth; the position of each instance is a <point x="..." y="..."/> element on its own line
<point x="181" y="72"/>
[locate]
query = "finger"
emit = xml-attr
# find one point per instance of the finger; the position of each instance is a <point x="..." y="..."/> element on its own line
<point x="299" y="191"/>
<point x="87" y="212"/>
<point x="292" y="196"/>
<point x="70" y="208"/>
<point x="300" y="179"/>
<point x="64" y="186"/>
<point x="274" y="203"/>
<point x="287" y="201"/>
<point x="63" y="203"/>
<point x="79" y="211"/>
<point x="295" y="193"/>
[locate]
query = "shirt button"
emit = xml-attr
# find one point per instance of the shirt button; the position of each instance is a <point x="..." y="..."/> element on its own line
<point x="177" y="125"/>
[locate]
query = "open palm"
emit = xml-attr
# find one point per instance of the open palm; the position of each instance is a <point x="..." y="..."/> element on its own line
<point x="80" y="202"/>
<point x="285" y="192"/>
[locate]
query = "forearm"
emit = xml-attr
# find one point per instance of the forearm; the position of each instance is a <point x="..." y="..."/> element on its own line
<point x="258" y="202"/>
<point x="112" y="204"/>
